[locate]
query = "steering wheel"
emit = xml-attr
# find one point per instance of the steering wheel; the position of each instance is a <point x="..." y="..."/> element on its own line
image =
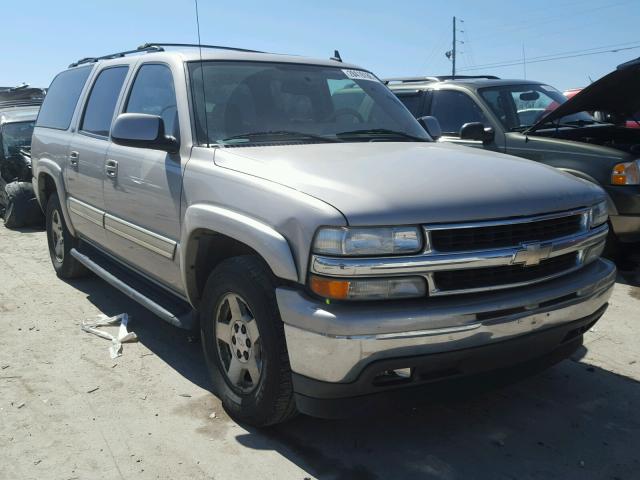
<point x="346" y="111"/>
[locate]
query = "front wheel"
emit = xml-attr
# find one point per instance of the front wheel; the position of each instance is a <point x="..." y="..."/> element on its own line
<point x="61" y="242"/>
<point x="244" y="344"/>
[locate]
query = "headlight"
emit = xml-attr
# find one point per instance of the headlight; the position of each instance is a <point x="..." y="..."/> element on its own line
<point x="599" y="214"/>
<point x="369" y="288"/>
<point x="627" y="173"/>
<point x="342" y="241"/>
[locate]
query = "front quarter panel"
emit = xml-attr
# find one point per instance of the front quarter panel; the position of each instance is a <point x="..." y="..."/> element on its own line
<point x="593" y="161"/>
<point x="276" y="221"/>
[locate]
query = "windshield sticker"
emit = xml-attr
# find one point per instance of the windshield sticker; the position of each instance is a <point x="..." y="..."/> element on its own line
<point x="359" y="75"/>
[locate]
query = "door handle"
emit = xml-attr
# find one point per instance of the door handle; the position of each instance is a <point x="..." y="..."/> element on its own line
<point x="74" y="158"/>
<point x="111" y="168"/>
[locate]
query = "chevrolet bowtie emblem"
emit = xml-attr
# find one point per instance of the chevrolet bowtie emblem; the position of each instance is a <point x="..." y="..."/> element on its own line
<point x="531" y="254"/>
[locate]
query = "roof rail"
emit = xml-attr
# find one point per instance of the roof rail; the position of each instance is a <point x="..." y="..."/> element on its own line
<point x="438" y="78"/>
<point x="141" y="49"/>
<point x="156" y="47"/>
<point x="410" y="79"/>
<point x="464" y="77"/>
<point x="196" y="45"/>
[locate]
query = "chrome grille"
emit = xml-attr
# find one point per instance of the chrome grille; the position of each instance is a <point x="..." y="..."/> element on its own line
<point x="481" y="278"/>
<point x="503" y="235"/>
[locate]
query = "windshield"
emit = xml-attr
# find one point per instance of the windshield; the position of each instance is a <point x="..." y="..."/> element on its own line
<point x="15" y="136"/>
<point x="260" y="103"/>
<point x="520" y="106"/>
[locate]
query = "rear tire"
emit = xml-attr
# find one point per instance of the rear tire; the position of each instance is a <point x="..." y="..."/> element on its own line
<point x="244" y="344"/>
<point x="61" y="242"/>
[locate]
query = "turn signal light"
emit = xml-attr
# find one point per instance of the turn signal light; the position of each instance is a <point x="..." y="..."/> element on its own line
<point x="330" y="288"/>
<point x="626" y="173"/>
<point x="368" y="288"/>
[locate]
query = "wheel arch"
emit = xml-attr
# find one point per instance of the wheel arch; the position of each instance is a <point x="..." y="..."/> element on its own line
<point x="49" y="178"/>
<point x="212" y="234"/>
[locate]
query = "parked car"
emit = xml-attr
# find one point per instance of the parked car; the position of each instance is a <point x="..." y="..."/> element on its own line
<point x="18" y="112"/>
<point x="534" y="120"/>
<point x="332" y="255"/>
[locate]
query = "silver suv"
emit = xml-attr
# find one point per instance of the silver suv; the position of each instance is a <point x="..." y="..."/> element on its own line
<point x="332" y="255"/>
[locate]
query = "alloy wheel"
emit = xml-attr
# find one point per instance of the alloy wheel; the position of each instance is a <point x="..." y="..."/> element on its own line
<point x="57" y="236"/>
<point x="238" y="343"/>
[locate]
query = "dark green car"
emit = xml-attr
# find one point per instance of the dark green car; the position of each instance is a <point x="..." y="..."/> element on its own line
<point x="533" y="120"/>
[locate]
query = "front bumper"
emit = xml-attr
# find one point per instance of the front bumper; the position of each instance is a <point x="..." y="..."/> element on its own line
<point x="626" y="227"/>
<point x="335" y="343"/>
<point x="626" y="220"/>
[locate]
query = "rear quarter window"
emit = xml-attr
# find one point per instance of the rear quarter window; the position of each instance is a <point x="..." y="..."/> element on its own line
<point x="61" y="99"/>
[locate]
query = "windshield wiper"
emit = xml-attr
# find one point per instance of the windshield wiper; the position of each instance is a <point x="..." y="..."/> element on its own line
<point x="559" y="125"/>
<point x="281" y="133"/>
<point x="382" y="132"/>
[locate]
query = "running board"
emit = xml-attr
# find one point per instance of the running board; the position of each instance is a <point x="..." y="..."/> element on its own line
<point x="133" y="287"/>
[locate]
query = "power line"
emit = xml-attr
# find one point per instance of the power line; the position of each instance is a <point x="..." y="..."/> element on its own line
<point x="535" y="23"/>
<point x="552" y="56"/>
<point x="582" y="50"/>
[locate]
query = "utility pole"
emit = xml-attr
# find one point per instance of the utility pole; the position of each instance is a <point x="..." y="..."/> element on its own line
<point x="453" y="51"/>
<point x="524" y="62"/>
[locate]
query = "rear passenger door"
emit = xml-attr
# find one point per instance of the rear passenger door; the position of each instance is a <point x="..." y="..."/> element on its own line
<point x="454" y="108"/>
<point x="414" y="101"/>
<point x="85" y="170"/>
<point x="142" y="199"/>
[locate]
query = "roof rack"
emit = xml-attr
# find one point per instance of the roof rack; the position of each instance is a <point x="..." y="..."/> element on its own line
<point x="156" y="47"/>
<point x="141" y="49"/>
<point x="438" y="78"/>
<point x="196" y="45"/>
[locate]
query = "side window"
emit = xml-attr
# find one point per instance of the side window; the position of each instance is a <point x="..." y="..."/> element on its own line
<point x="453" y="109"/>
<point x="61" y="99"/>
<point x="414" y="101"/>
<point x="98" y="112"/>
<point x="153" y="93"/>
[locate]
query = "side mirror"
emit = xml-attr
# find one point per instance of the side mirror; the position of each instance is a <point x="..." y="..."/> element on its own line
<point x="432" y="126"/>
<point x="477" y="131"/>
<point x="143" y="131"/>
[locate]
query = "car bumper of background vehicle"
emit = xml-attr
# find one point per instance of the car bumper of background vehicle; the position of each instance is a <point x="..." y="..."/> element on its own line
<point x="626" y="227"/>
<point x="335" y="343"/>
<point x="625" y="197"/>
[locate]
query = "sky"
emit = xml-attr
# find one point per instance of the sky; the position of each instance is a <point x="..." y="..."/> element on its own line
<point x="41" y="37"/>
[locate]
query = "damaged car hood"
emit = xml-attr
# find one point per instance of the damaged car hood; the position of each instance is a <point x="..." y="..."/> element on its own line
<point x="617" y="92"/>
<point x="387" y="183"/>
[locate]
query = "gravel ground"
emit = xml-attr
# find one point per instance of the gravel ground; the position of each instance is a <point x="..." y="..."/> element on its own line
<point x="67" y="411"/>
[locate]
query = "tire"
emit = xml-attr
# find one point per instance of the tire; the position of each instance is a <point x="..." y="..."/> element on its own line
<point x="22" y="208"/>
<point x="269" y="399"/>
<point x="613" y="247"/>
<point x="58" y="236"/>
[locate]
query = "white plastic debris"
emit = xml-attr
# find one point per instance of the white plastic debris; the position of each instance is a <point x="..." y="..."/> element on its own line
<point x="124" y="336"/>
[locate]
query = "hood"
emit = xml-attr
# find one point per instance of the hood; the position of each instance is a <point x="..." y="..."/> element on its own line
<point x="380" y="183"/>
<point x="616" y="92"/>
